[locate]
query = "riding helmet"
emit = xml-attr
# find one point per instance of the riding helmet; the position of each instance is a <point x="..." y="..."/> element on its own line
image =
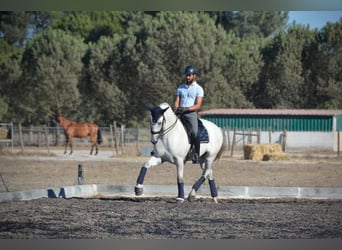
<point x="190" y="70"/>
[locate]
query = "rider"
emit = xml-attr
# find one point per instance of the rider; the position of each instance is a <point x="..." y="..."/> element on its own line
<point x="188" y="101"/>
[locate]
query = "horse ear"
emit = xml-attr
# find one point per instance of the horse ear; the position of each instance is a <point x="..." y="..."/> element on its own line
<point x="163" y="111"/>
<point x="148" y="106"/>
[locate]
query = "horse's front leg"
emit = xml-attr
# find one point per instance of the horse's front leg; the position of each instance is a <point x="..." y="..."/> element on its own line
<point x="94" y="144"/>
<point x="180" y="180"/>
<point x="97" y="148"/>
<point x="153" y="161"/>
<point x="70" y="144"/>
<point x="91" y="150"/>
<point x="66" y="144"/>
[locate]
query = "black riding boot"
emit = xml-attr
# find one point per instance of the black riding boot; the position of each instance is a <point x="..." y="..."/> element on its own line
<point x="196" y="156"/>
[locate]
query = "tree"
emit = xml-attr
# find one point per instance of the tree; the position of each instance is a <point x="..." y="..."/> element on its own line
<point x="102" y="99"/>
<point x="14" y="26"/>
<point x="282" y="83"/>
<point x="251" y="23"/>
<point x="330" y="73"/>
<point x="105" y="65"/>
<point x="90" y="25"/>
<point x="9" y="74"/>
<point x="51" y="69"/>
<point x="177" y="39"/>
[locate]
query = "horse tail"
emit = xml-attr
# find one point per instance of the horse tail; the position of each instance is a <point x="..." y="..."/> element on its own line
<point x="99" y="136"/>
<point x="223" y="147"/>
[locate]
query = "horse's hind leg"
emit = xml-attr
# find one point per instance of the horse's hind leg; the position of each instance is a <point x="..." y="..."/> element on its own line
<point x="93" y="144"/>
<point x="195" y="187"/>
<point x="207" y="173"/>
<point x="70" y="145"/>
<point x="67" y="142"/>
<point x="212" y="185"/>
<point x="92" y="149"/>
<point x="199" y="182"/>
<point x="213" y="190"/>
<point x="71" y="149"/>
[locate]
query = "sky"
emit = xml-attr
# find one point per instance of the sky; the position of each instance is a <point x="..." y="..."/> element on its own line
<point x="316" y="19"/>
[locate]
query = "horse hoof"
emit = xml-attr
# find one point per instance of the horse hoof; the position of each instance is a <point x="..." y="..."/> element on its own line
<point x="138" y="191"/>
<point x="191" y="197"/>
<point x="215" y="199"/>
<point x="180" y="200"/>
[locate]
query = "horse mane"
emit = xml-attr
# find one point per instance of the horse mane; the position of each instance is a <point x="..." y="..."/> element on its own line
<point x="169" y="112"/>
<point x="64" y="122"/>
<point x="164" y="105"/>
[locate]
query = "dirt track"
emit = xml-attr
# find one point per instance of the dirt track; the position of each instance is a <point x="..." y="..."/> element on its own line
<point x="162" y="217"/>
<point x="39" y="170"/>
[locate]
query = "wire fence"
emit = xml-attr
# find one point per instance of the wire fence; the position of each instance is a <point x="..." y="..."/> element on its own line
<point x="121" y="139"/>
<point x="117" y="138"/>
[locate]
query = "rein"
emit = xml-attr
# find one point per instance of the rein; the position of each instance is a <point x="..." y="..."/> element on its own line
<point x="163" y="131"/>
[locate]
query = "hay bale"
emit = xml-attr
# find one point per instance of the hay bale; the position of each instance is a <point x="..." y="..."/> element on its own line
<point x="276" y="157"/>
<point x="257" y="151"/>
<point x="3" y="133"/>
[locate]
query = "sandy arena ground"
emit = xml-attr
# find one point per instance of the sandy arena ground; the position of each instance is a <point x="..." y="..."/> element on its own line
<point x="162" y="217"/>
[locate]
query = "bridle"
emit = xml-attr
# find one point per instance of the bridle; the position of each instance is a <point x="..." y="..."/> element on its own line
<point x="162" y="131"/>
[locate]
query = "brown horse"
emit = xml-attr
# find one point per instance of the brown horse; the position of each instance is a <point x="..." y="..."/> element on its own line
<point x="80" y="130"/>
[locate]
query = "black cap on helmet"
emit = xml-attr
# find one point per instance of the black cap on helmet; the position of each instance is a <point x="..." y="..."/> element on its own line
<point x="190" y="70"/>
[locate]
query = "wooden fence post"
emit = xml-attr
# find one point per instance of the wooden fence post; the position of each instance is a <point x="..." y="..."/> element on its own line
<point x="47" y="138"/>
<point x="21" y="138"/>
<point x="228" y="138"/>
<point x="115" y="140"/>
<point x="284" y="140"/>
<point x="249" y="136"/>
<point x="338" y="144"/>
<point x="122" y="137"/>
<point x="233" y="143"/>
<point x="269" y="135"/>
<point x="137" y="145"/>
<point x="112" y="138"/>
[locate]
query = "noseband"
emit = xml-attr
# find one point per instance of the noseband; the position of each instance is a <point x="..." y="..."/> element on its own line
<point x="162" y="131"/>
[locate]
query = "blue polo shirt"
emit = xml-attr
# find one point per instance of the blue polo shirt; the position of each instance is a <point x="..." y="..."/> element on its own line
<point x="189" y="94"/>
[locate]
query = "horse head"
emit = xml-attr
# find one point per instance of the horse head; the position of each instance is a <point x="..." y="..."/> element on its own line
<point x="59" y="118"/>
<point x="62" y="121"/>
<point x="157" y="120"/>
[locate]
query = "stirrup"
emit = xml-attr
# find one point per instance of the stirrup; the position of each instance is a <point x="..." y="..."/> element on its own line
<point x="195" y="158"/>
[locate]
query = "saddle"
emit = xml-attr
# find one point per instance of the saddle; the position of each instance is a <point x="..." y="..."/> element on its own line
<point x="202" y="132"/>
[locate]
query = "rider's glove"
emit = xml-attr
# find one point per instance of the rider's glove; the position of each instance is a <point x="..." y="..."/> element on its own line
<point x="181" y="110"/>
